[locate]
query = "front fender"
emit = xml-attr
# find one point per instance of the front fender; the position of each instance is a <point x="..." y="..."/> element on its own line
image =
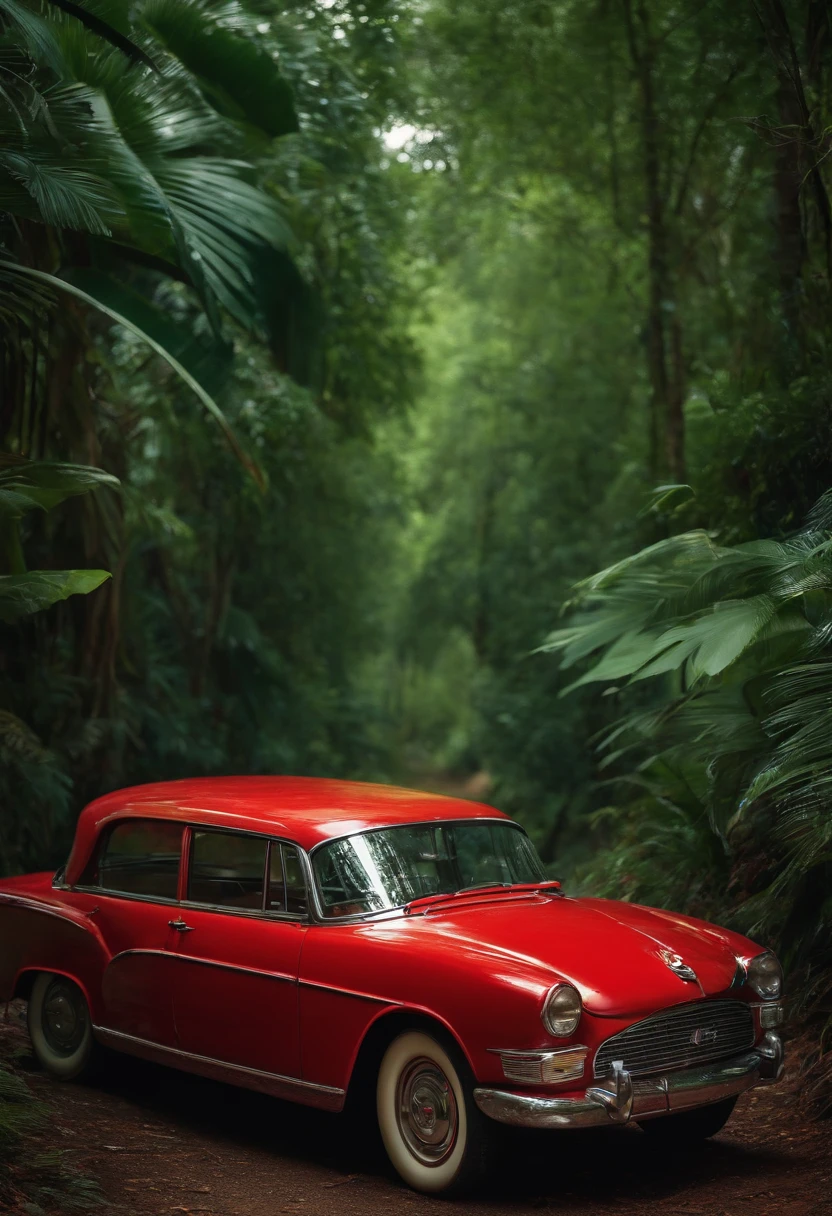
<point x="353" y="976"/>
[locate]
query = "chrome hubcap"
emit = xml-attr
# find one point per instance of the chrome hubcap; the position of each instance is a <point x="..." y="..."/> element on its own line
<point x="426" y="1112"/>
<point x="64" y="1017"/>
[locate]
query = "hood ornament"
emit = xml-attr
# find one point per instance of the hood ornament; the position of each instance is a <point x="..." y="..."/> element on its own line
<point x="678" y="965"/>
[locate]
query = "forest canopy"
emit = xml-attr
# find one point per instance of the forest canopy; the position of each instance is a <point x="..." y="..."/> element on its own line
<point x="435" y="392"/>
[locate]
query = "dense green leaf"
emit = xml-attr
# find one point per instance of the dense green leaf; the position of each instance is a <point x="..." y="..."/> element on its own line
<point x="239" y="77"/>
<point x="25" y="483"/>
<point x="22" y="594"/>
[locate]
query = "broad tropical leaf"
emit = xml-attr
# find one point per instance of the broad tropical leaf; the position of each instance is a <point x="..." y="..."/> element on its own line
<point x="236" y="75"/>
<point x="22" y="594"/>
<point x="25" y="484"/>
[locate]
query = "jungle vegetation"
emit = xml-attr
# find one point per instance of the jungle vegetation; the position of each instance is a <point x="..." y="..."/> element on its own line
<point x="435" y="391"/>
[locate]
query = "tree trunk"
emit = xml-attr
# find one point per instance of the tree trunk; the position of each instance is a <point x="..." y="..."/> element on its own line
<point x="798" y="154"/>
<point x="667" y="430"/>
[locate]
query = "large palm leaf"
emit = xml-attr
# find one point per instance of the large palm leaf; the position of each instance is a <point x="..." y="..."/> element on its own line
<point x="119" y="151"/>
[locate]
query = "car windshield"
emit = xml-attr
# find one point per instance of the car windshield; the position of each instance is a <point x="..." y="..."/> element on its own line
<point x="385" y="869"/>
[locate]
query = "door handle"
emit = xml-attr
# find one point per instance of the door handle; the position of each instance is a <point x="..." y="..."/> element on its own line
<point x="180" y="926"/>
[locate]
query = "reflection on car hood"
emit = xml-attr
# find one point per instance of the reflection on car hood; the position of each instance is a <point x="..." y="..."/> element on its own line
<point x="611" y="951"/>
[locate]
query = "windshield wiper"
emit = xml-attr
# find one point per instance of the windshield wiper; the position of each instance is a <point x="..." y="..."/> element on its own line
<point x="485" y="886"/>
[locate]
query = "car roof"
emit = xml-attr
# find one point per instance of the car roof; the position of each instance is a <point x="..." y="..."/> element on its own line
<point x="308" y="810"/>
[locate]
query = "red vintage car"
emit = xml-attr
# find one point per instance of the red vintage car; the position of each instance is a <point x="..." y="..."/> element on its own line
<point x="325" y="940"/>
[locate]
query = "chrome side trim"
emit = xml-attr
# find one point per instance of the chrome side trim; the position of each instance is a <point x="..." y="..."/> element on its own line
<point x="624" y="1098"/>
<point x="292" y="918"/>
<point x="358" y="996"/>
<point x="267" y="975"/>
<point x="205" y="962"/>
<point x="290" y="1089"/>
<point x="106" y="893"/>
<point x="69" y="915"/>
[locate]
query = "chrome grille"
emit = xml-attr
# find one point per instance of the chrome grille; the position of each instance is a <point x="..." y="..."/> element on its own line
<point x="680" y="1038"/>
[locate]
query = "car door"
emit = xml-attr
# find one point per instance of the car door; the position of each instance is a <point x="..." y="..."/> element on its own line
<point x="130" y="890"/>
<point x="237" y="951"/>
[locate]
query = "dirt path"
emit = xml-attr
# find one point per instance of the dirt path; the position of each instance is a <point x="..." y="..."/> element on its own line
<point x="165" y="1144"/>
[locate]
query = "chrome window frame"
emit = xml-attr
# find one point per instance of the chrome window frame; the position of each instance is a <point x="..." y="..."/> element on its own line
<point x="315" y="914"/>
<point x="107" y="830"/>
<point x="386" y="913"/>
<point x="188" y="827"/>
<point x="261" y="913"/>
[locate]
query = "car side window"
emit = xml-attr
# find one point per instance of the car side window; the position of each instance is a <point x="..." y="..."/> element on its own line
<point x="138" y="857"/>
<point x="287" y="885"/>
<point x="227" y="870"/>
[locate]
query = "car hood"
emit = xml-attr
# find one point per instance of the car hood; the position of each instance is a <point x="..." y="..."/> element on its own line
<point x="611" y="951"/>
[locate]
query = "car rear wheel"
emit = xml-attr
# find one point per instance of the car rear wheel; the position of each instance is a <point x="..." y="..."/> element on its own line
<point x="60" y="1027"/>
<point x="690" y="1125"/>
<point x="435" y="1136"/>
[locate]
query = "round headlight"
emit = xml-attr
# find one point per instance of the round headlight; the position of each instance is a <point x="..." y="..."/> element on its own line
<point x="765" y="976"/>
<point x="562" y="1011"/>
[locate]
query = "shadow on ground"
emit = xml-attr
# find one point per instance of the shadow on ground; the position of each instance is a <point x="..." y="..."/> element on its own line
<point x="583" y="1168"/>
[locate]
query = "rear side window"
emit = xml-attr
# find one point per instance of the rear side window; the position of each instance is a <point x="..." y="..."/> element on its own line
<point x="139" y="857"/>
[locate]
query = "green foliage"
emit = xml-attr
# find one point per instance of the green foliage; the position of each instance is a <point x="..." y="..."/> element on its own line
<point x="39" y="1181"/>
<point x="122" y="154"/>
<point x="626" y="283"/>
<point x="726" y="776"/>
<point x="553" y="231"/>
<point x="21" y="594"/>
<point x="235" y="627"/>
<point x="27" y="484"/>
<point x="236" y="74"/>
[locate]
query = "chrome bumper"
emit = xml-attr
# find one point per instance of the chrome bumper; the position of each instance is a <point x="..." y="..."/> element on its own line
<point x="618" y="1097"/>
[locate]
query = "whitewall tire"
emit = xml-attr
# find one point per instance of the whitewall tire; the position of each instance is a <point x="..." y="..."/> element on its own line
<point x="60" y="1026"/>
<point x="434" y="1134"/>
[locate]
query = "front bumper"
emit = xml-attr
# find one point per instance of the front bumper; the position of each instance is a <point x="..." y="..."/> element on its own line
<point x="618" y="1097"/>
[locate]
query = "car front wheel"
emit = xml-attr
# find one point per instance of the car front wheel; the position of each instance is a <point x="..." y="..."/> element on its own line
<point x="690" y="1125"/>
<point x="435" y="1136"/>
<point x="60" y="1027"/>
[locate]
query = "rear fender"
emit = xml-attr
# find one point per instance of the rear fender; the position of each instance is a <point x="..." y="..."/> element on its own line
<point x="37" y="936"/>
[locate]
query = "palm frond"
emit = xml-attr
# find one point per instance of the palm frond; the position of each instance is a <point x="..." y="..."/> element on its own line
<point x="236" y="74"/>
<point x="26" y="272"/>
<point x="103" y="29"/>
<point x="33" y="33"/>
<point x="65" y="197"/>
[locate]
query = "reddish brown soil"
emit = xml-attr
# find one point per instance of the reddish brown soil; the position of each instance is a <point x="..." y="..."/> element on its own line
<point x="165" y="1144"/>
